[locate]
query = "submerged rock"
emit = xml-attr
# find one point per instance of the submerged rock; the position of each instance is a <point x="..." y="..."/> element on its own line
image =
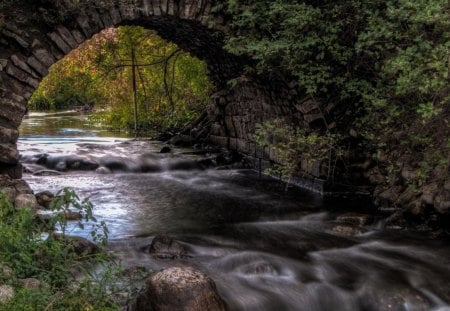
<point x="70" y="215"/>
<point x="103" y="170"/>
<point x="181" y="140"/>
<point x="165" y="247"/>
<point x="47" y="173"/>
<point x="44" y="198"/>
<point x="165" y="149"/>
<point x="179" y="288"/>
<point x="347" y="231"/>
<point x="80" y="245"/>
<point x="355" y="219"/>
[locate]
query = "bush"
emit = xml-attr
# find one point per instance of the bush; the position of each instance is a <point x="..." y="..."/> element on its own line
<point x="31" y="252"/>
<point x="293" y="145"/>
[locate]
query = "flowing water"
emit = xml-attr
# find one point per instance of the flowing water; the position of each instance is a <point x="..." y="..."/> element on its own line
<point x="265" y="248"/>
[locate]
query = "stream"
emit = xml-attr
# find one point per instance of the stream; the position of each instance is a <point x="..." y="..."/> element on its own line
<point x="266" y="248"/>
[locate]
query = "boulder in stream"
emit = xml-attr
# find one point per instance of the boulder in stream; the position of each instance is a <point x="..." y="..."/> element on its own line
<point x="179" y="288"/>
<point x="26" y="201"/>
<point x="80" y="245"/>
<point x="44" y="198"/>
<point x="165" y="149"/>
<point x="165" y="247"/>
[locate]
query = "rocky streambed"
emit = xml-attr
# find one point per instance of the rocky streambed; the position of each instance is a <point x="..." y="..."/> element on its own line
<point x="229" y="235"/>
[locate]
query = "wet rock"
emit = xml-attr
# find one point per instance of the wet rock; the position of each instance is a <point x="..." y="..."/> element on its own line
<point x="181" y="140"/>
<point x="71" y="216"/>
<point x="259" y="268"/>
<point x="165" y="149"/>
<point x="47" y="173"/>
<point x="26" y="201"/>
<point x="103" y="170"/>
<point x="42" y="159"/>
<point x="115" y="164"/>
<point x="150" y="168"/>
<point x="6" y="293"/>
<point x="81" y="246"/>
<point x="61" y="166"/>
<point x="22" y="187"/>
<point x="165" y="247"/>
<point x="227" y="158"/>
<point x="206" y="163"/>
<point x="44" y="198"/>
<point x="355" y="219"/>
<point x="74" y="163"/>
<point x="346" y="231"/>
<point x="179" y="288"/>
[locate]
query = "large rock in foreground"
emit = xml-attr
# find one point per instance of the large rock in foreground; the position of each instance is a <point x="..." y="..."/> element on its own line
<point x="179" y="288"/>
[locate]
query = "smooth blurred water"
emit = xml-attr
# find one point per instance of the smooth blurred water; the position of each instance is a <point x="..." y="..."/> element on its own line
<point x="266" y="249"/>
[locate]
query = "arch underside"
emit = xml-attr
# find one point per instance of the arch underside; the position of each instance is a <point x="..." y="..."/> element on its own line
<point x="32" y="43"/>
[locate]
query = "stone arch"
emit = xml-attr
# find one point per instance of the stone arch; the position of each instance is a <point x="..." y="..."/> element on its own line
<point x="36" y="34"/>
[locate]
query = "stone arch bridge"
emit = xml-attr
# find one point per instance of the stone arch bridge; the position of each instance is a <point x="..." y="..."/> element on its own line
<point x="36" y="34"/>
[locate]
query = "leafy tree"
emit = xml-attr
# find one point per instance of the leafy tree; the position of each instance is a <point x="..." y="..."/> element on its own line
<point x="173" y="88"/>
<point x="385" y="64"/>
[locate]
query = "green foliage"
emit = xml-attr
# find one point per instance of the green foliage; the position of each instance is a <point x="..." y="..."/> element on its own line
<point x="295" y="147"/>
<point x="30" y="252"/>
<point x="173" y="87"/>
<point x="386" y="63"/>
<point x="67" y="201"/>
<point x="24" y="248"/>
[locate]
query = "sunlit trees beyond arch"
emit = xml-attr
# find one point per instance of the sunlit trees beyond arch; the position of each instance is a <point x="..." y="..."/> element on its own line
<point x="172" y="87"/>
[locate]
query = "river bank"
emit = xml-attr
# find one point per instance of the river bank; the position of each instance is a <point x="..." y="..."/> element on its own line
<point x="263" y="247"/>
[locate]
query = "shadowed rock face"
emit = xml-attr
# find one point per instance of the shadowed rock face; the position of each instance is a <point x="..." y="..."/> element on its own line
<point x="180" y="288"/>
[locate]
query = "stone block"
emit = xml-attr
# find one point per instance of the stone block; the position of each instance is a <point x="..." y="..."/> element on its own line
<point x="83" y="23"/>
<point x="307" y="106"/>
<point x="22" y="42"/>
<point x="219" y="140"/>
<point x="8" y="135"/>
<point x="95" y="21"/>
<point x="67" y="36"/>
<point x="18" y="62"/>
<point x="106" y="20"/>
<point x="44" y="56"/>
<point x="21" y="75"/>
<point x="60" y="43"/>
<point x="115" y="15"/>
<point x="37" y="66"/>
<point x="8" y="153"/>
<point x="12" y="111"/>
